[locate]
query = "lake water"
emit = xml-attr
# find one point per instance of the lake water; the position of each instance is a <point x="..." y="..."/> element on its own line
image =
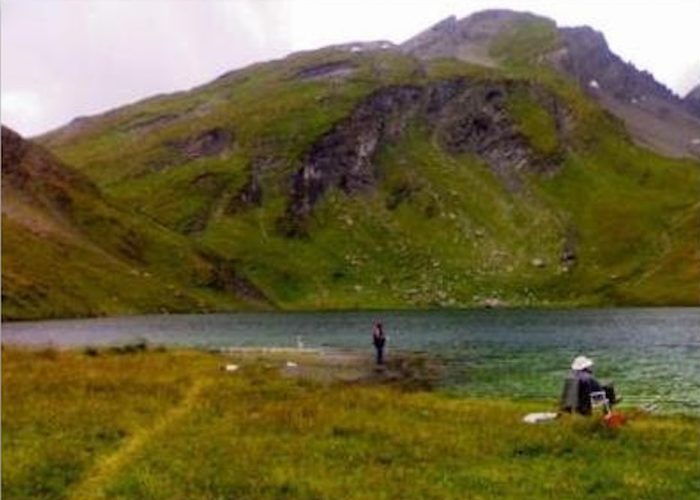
<point x="653" y="355"/>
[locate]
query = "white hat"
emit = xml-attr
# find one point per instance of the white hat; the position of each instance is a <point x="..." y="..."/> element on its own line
<point x="581" y="363"/>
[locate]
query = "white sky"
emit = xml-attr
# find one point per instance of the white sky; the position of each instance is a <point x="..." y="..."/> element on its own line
<point x="66" y="58"/>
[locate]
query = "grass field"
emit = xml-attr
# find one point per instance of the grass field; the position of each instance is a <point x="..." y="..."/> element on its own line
<point x="173" y="425"/>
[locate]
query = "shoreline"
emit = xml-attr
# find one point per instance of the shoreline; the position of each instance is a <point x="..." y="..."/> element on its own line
<point x="553" y="307"/>
<point x="403" y="369"/>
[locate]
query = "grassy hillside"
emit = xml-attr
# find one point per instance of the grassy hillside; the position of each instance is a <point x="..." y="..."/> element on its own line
<point x="67" y="251"/>
<point x="173" y="424"/>
<point x="362" y="177"/>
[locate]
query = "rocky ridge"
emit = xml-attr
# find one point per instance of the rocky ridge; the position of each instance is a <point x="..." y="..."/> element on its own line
<point x="655" y="116"/>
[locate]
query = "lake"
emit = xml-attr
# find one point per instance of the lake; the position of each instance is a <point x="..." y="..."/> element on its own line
<point x="653" y="355"/>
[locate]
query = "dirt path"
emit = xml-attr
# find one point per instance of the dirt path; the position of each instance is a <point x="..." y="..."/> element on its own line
<point x="96" y="478"/>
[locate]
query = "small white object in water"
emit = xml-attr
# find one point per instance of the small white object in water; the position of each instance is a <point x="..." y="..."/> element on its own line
<point x="300" y="343"/>
<point x="291" y="364"/>
<point x="594" y="84"/>
<point x="535" y="418"/>
<point x="231" y="368"/>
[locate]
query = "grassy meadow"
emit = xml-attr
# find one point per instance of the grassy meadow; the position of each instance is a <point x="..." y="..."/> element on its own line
<point x="150" y="423"/>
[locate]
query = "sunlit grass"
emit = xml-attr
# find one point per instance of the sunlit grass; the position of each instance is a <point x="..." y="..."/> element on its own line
<point x="150" y="424"/>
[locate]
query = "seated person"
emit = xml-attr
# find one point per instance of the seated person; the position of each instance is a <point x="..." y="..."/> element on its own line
<point x="579" y="385"/>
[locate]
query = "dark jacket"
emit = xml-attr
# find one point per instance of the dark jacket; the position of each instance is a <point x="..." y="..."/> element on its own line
<point x="576" y="395"/>
<point x="378" y="339"/>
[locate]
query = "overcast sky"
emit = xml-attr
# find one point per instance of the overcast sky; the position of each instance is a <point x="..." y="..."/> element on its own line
<point x="67" y="58"/>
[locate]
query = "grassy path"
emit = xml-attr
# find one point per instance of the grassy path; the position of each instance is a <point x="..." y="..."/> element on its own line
<point x="92" y="487"/>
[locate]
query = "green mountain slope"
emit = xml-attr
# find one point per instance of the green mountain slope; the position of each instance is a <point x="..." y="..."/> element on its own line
<point x="67" y="251"/>
<point x="361" y="176"/>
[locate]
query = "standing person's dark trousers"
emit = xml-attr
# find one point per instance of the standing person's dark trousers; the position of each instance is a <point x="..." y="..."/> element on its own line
<point x="379" y="347"/>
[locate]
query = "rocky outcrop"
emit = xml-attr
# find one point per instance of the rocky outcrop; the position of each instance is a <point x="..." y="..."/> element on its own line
<point x="333" y="69"/>
<point x="211" y="142"/>
<point x="224" y="277"/>
<point x="343" y="156"/>
<point x="356" y="47"/>
<point x="151" y="123"/>
<point x="475" y="119"/>
<point x="249" y="196"/>
<point x="464" y="117"/>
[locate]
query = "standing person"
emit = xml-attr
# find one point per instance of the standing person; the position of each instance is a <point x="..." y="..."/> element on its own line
<point x="379" y="339"/>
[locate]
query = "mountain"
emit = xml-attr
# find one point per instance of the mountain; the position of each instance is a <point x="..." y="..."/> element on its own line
<point x="436" y="173"/>
<point x="692" y="100"/>
<point x="655" y="117"/>
<point x="67" y="251"/>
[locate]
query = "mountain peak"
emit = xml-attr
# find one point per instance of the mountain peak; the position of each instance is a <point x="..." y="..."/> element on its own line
<point x="468" y="39"/>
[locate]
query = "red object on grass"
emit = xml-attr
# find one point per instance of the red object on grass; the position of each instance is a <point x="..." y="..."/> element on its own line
<point x="613" y="419"/>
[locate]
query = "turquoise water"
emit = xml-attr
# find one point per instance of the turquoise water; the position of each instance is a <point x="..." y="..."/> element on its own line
<point x="653" y="355"/>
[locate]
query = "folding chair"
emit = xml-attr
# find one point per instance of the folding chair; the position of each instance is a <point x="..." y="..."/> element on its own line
<point x="600" y="398"/>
